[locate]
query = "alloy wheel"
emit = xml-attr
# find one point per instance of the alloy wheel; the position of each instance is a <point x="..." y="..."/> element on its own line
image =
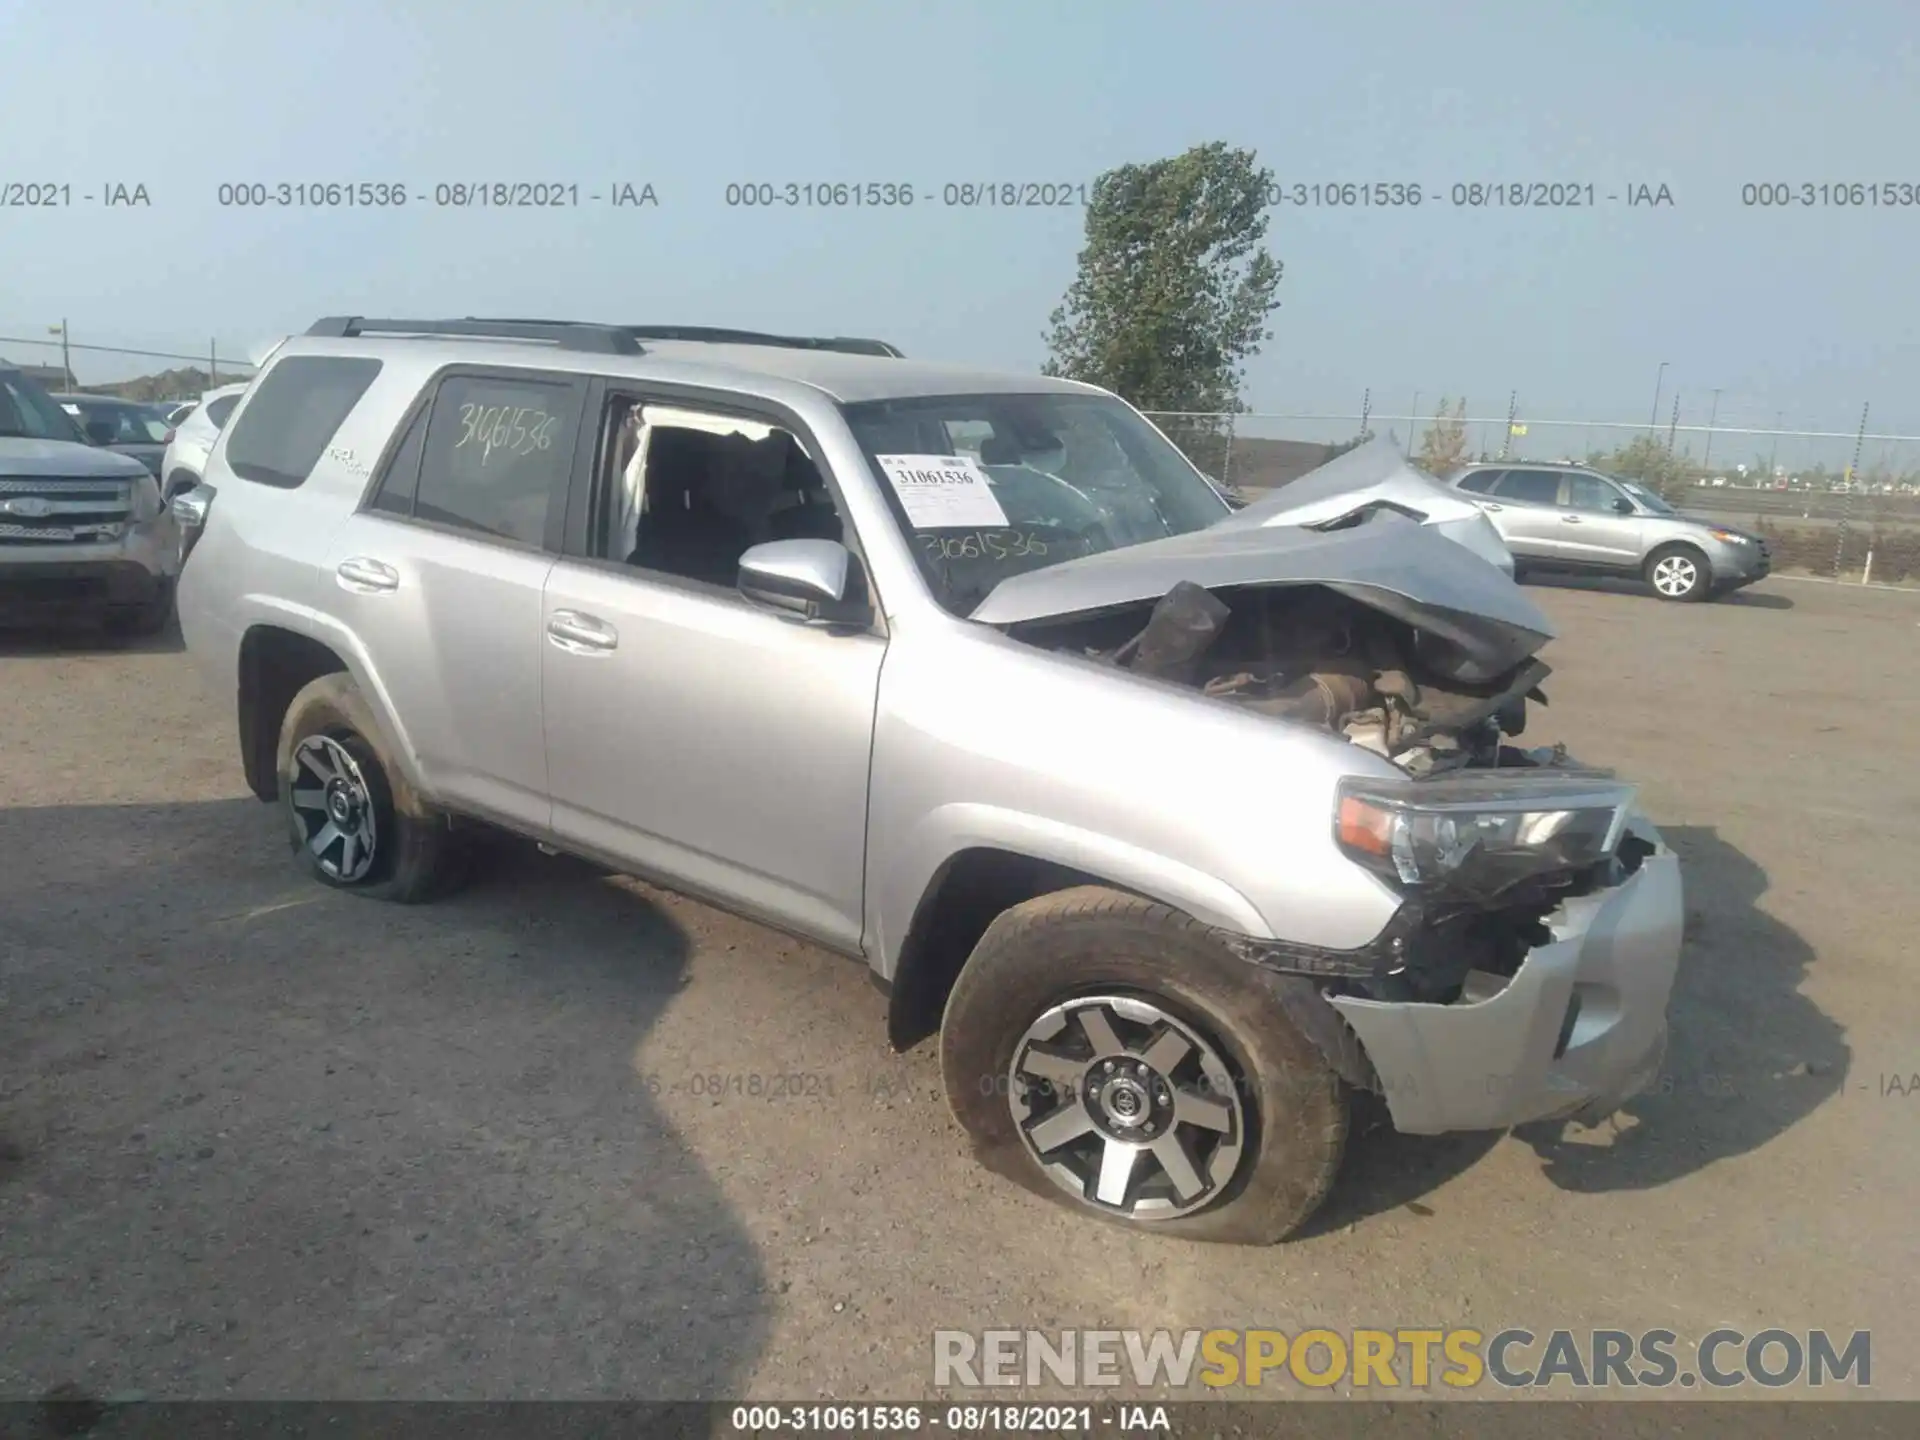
<point x="1675" y="575"/>
<point x="334" y="808"/>
<point x="1126" y="1107"/>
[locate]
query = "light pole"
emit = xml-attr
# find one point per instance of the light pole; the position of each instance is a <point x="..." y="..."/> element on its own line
<point x="1413" y="422"/>
<point x="66" y="361"/>
<point x="1659" y="380"/>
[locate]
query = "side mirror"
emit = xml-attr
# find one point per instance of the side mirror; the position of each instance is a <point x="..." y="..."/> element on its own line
<point x="816" y="582"/>
<point x="1623" y="505"/>
<point x="101" y="432"/>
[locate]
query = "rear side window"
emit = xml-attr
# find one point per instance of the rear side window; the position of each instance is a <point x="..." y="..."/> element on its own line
<point x="1536" y="487"/>
<point x="296" y="410"/>
<point x="219" y="410"/>
<point x="497" y="455"/>
<point x="1481" y="481"/>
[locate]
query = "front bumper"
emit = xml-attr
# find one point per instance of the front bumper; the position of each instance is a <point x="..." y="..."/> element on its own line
<point x="1512" y="1057"/>
<point x="47" y="582"/>
<point x="1736" y="565"/>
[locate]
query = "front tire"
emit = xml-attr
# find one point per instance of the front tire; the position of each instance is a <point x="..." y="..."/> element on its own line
<point x="1109" y="1054"/>
<point x="353" y="821"/>
<point x="1679" y="573"/>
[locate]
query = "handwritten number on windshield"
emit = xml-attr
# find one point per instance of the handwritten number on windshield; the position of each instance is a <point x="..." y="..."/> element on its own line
<point x="982" y="545"/>
<point x="513" y="429"/>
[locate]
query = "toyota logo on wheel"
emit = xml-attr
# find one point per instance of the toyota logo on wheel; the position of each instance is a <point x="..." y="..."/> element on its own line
<point x="32" y="507"/>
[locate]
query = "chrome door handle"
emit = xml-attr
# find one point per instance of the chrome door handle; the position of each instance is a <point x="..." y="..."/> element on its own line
<point x="1489" y="505"/>
<point x="366" y="577"/>
<point x="581" y="634"/>
<point x="1569" y="519"/>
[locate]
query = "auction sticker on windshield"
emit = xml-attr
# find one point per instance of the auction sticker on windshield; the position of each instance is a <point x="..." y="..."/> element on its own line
<point x="943" y="491"/>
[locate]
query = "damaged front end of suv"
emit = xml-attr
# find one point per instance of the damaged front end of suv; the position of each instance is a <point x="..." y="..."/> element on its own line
<point x="1525" y="972"/>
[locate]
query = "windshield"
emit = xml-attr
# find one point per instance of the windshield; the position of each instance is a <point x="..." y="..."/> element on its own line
<point x="114" y="422"/>
<point x="27" y="410"/>
<point x="1645" y="498"/>
<point x="988" y="486"/>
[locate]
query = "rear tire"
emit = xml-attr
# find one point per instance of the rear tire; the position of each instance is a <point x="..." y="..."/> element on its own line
<point x="1679" y="573"/>
<point x="352" y="820"/>
<point x="1090" y="1020"/>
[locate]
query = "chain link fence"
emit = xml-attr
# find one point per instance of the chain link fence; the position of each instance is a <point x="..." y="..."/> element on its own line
<point x="1841" y="503"/>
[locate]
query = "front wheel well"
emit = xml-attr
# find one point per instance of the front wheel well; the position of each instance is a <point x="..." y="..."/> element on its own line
<point x="969" y="891"/>
<point x="275" y="665"/>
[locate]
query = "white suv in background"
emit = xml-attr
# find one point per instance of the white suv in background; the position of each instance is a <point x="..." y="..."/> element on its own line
<point x="193" y="437"/>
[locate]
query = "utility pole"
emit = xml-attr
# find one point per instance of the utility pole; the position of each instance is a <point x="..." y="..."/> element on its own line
<point x="1846" y="508"/>
<point x="1675" y="425"/>
<point x="1413" y="422"/>
<point x="1366" y="408"/>
<point x="66" y="359"/>
<point x="1712" y="415"/>
<point x="1513" y="408"/>
<point x="1653" y="425"/>
<point x="1773" y="453"/>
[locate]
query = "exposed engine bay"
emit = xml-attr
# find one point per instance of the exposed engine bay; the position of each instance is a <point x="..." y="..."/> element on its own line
<point x="1307" y="653"/>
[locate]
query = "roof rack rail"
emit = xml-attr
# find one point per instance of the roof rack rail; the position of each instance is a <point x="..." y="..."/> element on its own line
<point x="712" y="335"/>
<point x="567" y="334"/>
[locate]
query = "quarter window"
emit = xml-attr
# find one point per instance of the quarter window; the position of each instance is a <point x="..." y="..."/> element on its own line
<point x="294" y="415"/>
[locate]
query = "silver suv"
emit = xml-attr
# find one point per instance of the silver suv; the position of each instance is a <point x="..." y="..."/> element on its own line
<point x="1176" y="833"/>
<point x="1574" y="519"/>
<point x="83" y="532"/>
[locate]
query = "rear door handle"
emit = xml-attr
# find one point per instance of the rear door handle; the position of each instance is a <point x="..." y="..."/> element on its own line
<point x="581" y="634"/>
<point x="1569" y="519"/>
<point x="366" y="577"/>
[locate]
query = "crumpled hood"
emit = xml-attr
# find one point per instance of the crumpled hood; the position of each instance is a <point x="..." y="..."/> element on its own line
<point x="63" y="460"/>
<point x="1377" y="474"/>
<point x="1385" y="561"/>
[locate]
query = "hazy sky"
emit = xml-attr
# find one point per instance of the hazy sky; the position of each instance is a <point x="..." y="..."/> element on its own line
<point x="1810" y="311"/>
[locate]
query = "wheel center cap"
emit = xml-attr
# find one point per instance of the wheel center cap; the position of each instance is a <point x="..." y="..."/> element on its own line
<point x="341" y="807"/>
<point x="1126" y="1102"/>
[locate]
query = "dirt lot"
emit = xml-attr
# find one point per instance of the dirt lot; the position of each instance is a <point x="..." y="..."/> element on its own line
<point x="260" y="1140"/>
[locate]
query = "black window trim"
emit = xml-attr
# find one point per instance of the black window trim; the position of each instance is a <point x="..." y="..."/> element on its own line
<point x="1487" y="475"/>
<point x="578" y="390"/>
<point x="226" y="452"/>
<point x="587" y="497"/>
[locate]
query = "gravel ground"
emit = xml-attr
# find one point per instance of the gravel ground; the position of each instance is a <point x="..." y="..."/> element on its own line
<point x="259" y="1140"/>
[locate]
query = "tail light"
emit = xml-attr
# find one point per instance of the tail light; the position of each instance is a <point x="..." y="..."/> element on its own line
<point x="167" y="439"/>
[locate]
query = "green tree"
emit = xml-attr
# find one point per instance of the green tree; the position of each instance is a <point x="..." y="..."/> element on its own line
<point x="1443" y="446"/>
<point x="1173" y="290"/>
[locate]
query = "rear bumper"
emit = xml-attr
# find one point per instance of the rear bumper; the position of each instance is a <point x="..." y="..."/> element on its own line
<point x="1513" y="1057"/>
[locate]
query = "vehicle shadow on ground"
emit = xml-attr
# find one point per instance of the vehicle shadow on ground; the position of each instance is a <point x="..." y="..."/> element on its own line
<point x="1750" y="1056"/>
<point x="262" y="1139"/>
<point x="1748" y="599"/>
<point x="85" y="638"/>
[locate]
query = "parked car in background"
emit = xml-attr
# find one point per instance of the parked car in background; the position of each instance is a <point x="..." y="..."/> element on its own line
<point x="127" y="426"/>
<point x="1574" y="519"/>
<point x="82" y="529"/>
<point x="186" y="456"/>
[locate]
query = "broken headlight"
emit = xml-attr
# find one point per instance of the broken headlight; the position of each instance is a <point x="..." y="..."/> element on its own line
<point x="1476" y="836"/>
